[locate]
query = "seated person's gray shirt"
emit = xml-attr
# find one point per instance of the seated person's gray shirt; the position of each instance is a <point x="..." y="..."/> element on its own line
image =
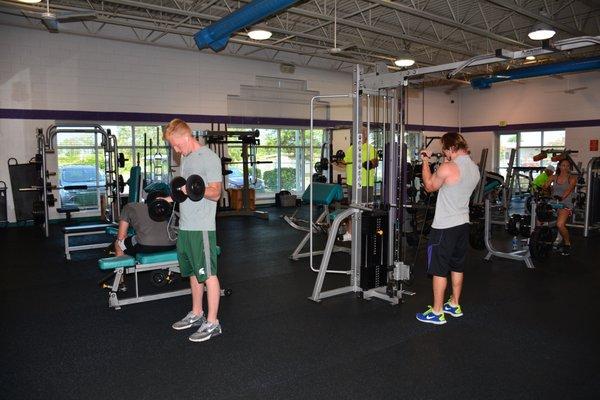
<point x="147" y="231"/>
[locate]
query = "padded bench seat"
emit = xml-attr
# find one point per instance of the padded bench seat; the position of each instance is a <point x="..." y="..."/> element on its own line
<point x="160" y="265"/>
<point x="114" y="230"/>
<point x="323" y="193"/>
<point x="85" y="228"/>
<point x="109" y="263"/>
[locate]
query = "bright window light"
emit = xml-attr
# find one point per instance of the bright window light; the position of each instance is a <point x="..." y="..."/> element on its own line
<point x="259" y="34"/>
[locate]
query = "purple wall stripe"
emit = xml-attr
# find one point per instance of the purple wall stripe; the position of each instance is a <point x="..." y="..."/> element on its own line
<point x="66" y="115"/>
<point x="107" y="116"/>
<point x="534" y="125"/>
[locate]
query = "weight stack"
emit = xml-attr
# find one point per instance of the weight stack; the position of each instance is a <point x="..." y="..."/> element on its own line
<point x="373" y="271"/>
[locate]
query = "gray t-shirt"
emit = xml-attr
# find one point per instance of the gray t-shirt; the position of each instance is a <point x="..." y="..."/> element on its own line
<point x="452" y="205"/>
<point x="200" y="215"/>
<point x="147" y="231"/>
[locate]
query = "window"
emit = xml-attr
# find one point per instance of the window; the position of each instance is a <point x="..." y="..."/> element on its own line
<point x="80" y="156"/>
<point x="527" y="144"/>
<point x="283" y="158"/>
<point x="80" y="180"/>
<point x="155" y="160"/>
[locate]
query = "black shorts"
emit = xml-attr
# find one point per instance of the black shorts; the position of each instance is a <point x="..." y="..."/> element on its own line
<point x="447" y="249"/>
<point x="133" y="249"/>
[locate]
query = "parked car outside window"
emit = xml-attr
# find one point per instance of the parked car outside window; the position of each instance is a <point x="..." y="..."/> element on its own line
<point x="80" y="175"/>
<point x="236" y="181"/>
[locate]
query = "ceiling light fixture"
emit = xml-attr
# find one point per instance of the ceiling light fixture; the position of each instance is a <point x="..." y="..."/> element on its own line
<point x="30" y="1"/>
<point x="404" y="61"/>
<point x="259" y="34"/>
<point x="541" y="30"/>
<point x="530" y="58"/>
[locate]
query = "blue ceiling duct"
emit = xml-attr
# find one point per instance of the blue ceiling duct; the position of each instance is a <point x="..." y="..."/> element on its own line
<point x="217" y="34"/>
<point x="587" y="64"/>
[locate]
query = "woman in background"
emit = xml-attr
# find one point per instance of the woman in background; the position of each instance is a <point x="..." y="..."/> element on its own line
<point x="563" y="183"/>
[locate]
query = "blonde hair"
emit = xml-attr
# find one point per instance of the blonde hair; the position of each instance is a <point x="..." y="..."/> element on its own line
<point x="177" y="127"/>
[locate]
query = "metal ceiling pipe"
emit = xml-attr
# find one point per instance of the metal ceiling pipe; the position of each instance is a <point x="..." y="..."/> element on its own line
<point x="218" y="33"/>
<point x="587" y="64"/>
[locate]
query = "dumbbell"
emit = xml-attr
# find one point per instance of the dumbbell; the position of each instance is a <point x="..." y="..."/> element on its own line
<point x="368" y="165"/>
<point x="159" y="210"/>
<point x="339" y="156"/>
<point x="194" y="186"/>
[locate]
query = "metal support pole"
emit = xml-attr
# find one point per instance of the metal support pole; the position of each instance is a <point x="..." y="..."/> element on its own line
<point x="312" y="118"/>
<point x="357" y="177"/>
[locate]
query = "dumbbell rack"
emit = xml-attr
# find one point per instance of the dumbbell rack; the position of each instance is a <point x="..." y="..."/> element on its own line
<point x="518" y="255"/>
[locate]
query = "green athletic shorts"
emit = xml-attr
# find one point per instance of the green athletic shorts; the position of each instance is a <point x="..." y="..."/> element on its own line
<point x="197" y="254"/>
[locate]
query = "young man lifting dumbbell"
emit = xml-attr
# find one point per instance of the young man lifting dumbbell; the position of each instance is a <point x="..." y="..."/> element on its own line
<point x="197" y="241"/>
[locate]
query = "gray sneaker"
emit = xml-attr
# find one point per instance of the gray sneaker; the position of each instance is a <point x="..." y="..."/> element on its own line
<point x="189" y="320"/>
<point x="206" y="331"/>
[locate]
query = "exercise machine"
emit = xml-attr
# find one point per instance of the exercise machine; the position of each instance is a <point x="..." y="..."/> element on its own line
<point x="218" y="142"/>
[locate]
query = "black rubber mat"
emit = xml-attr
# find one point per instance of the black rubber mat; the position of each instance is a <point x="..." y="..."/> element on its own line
<point x="527" y="334"/>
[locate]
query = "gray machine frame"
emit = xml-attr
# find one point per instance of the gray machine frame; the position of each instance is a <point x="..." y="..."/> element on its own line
<point x="45" y="145"/>
<point x="376" y="84"/>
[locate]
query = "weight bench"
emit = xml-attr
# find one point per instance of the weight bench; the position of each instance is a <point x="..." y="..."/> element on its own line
<point x="67" y="210"/>
<point x="84" y="230"/>
<point x="324" y="194"/>
<point x="123" y="265"/>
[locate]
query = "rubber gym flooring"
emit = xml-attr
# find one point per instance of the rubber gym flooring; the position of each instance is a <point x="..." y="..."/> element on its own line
<point x="526" y="334"/>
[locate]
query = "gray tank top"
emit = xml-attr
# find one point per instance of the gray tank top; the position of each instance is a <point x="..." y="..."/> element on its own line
<point x="452" y="206"/>
<point x="559" y="189"/>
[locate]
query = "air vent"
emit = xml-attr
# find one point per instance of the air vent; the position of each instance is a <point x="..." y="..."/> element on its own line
<point x="287" y="68"/>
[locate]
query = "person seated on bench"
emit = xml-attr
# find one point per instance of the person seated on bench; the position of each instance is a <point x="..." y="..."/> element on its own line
<point x="150" y="236"/>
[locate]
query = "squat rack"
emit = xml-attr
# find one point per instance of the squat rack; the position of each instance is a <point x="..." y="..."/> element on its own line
<point x="111" y="164"/>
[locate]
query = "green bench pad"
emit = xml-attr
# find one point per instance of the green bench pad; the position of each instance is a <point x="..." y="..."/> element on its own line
<point x="163" y="256"/>
<point x="116" y="262"/>
<point x="334" y="213"/>
<point x="114" y="230"/>
<point x="323" y="193"/>
<point x="141" y="258"/>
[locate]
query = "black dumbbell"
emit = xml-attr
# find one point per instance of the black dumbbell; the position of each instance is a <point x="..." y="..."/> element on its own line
<point x="159" y="210"/>
<point x="368" y="165"/>
<point x="194" y="186"/>
<point x="176" y="194"/>
<point x="318" y="167"/>
<point x="339" y="156"/>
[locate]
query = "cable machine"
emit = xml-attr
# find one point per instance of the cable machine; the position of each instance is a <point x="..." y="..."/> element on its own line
<point x="377" y="266"/>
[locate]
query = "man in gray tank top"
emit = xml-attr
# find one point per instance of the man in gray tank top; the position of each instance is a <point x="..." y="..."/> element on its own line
<point x="455" y="179"/>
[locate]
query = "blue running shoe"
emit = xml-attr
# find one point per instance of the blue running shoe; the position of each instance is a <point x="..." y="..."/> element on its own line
<point x="454" y="311"/>
<point x="430" y="317"/>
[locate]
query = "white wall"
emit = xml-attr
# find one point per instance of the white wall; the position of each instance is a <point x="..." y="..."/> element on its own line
<point x="530" y="101"/>
<point x="39" y="70"/>
<point x="67" y="72"/>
